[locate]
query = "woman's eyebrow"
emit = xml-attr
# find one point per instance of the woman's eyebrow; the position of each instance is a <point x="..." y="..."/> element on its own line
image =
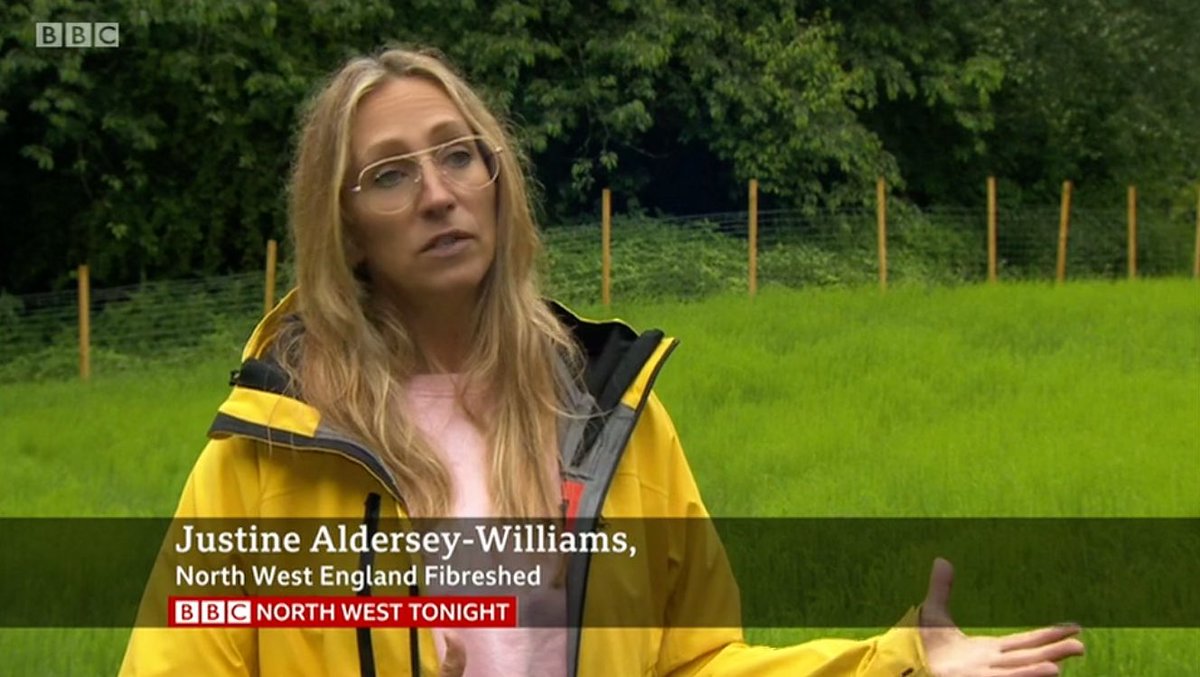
<point x="439" y="133"/>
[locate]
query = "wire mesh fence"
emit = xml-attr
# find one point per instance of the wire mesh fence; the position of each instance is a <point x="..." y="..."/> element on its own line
<point x="692" y="257"/>
<point x="130" y="325"/>
<point x="651" y="259"/>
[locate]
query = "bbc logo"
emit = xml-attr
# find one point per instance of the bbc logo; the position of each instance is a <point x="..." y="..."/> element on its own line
<point x="212" y="612"/>
<point x="78" y="34"/>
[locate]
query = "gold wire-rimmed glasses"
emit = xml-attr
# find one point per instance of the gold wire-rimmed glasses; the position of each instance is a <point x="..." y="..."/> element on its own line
<point x="392" y="184"/>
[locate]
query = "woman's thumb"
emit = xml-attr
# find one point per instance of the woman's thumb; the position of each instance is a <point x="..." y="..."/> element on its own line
<point x="935" y="610"/>
<point x="455" y="661"/>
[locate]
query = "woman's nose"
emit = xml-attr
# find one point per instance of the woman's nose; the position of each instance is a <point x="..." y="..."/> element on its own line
<point x="436" y="193"/>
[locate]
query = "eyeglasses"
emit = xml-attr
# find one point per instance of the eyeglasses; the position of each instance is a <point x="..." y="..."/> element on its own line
<point x="392" y="184"/>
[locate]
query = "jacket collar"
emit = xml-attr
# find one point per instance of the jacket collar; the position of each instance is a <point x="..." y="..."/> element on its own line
<point x="620" y="367"/>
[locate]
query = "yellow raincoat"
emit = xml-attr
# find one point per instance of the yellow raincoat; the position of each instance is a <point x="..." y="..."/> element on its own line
<point x="269" y="456"/>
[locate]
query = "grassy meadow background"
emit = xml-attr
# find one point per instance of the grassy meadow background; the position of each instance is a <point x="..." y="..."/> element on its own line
<point x="1020" y="399"/>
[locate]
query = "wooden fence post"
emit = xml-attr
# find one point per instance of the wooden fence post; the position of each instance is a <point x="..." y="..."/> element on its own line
<point x="269" y="291"/>
<point x="991" y="228"/>
<point x="881" y="219"/>
<point x="1064" y="225"/>
<point x="606" y="247"/>
<point x="85" y="324"/>
<point x="1132" y="249"/>
<point x="753" y="236"/>
<point x="1196" y="263"/>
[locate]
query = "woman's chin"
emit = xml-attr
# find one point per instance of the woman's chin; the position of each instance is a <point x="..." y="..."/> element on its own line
<point x="448" y="290"/>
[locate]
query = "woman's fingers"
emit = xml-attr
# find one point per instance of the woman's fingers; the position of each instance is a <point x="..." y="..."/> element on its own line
<point x="1035" y="638"/>
<point x="1035" y="653"/>
<point x="1050" y="653"/>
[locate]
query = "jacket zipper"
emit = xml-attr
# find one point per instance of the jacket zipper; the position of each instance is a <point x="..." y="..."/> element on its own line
<point x="366" y="652"/>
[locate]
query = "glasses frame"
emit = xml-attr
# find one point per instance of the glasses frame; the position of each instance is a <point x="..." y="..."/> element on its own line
<point x="357" y="188"/>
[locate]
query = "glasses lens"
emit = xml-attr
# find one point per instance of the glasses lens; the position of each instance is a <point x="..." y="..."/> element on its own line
<point x="391" y="186"/>
<point x="468" y="164"/>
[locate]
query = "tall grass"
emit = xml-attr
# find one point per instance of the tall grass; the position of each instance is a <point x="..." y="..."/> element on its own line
<point x="1013" y="400"/>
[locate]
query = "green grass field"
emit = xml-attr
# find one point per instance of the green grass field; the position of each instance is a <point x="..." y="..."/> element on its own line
<point x="1014" y="400"/>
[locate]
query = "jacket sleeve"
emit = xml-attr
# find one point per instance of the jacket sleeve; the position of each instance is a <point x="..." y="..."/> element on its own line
<point x="223" y="483"/>
<point x="703" y="578"/>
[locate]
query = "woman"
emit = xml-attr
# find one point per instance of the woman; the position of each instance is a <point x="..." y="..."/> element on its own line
<point x="417" y="372"/>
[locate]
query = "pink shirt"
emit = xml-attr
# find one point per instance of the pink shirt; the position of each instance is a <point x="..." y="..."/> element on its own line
<point x="431" y="406"/>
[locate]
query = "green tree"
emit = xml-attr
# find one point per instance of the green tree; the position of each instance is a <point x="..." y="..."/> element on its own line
<point x="167" y="156"/>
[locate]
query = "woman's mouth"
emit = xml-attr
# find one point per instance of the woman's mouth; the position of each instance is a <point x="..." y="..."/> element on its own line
<point x="447" y="244"/>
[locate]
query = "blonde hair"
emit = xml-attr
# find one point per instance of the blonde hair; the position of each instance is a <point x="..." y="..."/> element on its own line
<point x="349" y="356"/>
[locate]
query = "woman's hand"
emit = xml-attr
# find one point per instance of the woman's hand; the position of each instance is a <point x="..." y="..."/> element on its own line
<point x="455" y="661"/>
<point x="950" y="653"/>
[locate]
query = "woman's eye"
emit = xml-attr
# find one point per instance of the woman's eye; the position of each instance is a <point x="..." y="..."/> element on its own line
<point x="457" y="158"/>
<point x="390" y="176"/>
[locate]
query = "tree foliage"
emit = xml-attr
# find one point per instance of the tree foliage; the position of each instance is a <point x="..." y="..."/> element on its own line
<point x="167" y="156"/>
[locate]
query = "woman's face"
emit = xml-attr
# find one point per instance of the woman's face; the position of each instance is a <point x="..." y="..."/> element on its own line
<point x="438" y="248"/>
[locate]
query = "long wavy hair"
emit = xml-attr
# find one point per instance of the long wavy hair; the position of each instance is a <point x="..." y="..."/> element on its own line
<point x="350" y="354"/>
